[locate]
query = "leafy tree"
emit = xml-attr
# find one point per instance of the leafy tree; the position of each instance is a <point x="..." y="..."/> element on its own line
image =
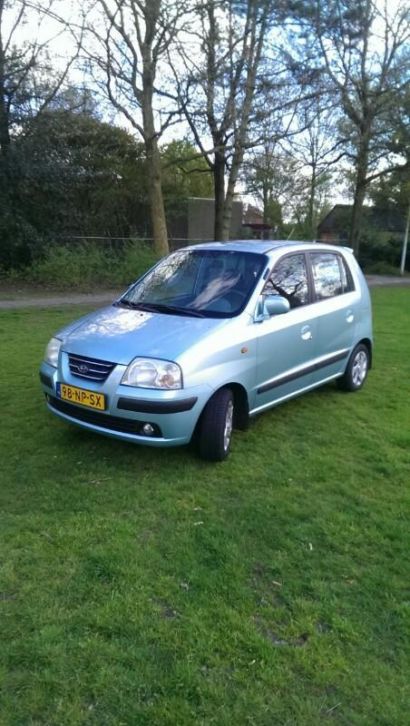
<point x="392" y="191"/>
<point x="29" y="84"/>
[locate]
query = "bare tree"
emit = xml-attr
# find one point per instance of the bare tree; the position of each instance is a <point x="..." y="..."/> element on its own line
<point x="223" y="76"/>
<point x="316" y="146"/>
<point x="274" y="180"/>
<point x="364" y="49"/>
<point x="129" y="46"/>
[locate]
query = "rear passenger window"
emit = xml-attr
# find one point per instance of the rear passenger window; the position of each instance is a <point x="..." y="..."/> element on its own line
<point x="347" y="279"/>
<point x="290" y="279"/>
<point x="330" y="275"/>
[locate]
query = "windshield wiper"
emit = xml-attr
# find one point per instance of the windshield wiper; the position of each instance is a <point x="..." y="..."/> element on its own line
<point x="161" y="308"/>
<point x="126" y="303"/>
<point x="170" y="309"/>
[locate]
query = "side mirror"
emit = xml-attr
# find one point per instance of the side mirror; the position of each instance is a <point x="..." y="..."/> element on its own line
<point x="275" y="305"/>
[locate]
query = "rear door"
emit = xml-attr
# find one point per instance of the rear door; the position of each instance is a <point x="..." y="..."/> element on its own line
<point x="336" y="306"/>
<point x="286" y="345"/>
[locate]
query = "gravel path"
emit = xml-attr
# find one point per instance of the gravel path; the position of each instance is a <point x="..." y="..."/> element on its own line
<point x="102" y="298"/>
<point x="68" y="298"/>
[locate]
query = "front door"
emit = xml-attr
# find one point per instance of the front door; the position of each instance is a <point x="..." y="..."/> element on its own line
<point x="286" y="345"/>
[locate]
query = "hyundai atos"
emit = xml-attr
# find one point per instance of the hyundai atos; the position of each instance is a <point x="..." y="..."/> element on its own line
<point x="212" y="335"/>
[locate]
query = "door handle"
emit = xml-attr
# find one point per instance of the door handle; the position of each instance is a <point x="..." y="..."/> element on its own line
<point x="306" y="333"/>
<point x="349" y="316"/>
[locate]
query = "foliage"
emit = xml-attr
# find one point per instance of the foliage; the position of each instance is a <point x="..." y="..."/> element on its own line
<point x="81" y="175"/>
<point x="72" y="175"/>
<point x="76" y="176"/>
<point x="143" y="586"/>
<point x="393" y="190"/>
<point x="380" y="251"/>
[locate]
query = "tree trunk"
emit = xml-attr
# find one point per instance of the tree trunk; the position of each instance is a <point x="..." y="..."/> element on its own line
<point x="156" y="199"/>
<point x="4" y="132"/>
<point x="219" y="185"/>
<point x="4" y="116"/>
<point x="227" y="215"/>
<point x="357" y="214"/>
<point x="311" y="204"/>
<point x="265" y="197"/>
<point x="359" y="195"/>
<point x="230" y="192"/>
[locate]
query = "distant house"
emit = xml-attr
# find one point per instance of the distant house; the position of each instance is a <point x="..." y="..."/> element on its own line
<point x="334" y="228"/>
<point x="253" y="221"/>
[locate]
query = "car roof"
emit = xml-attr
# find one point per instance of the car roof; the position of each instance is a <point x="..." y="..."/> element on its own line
<point x="258" y="246"/>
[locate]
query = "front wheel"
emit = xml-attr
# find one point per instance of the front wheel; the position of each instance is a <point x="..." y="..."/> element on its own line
<point x="216" y="426"/>
<point x="357" y="369"/>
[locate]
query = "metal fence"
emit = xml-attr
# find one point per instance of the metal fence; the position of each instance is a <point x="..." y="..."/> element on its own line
<point x="118" y="242"/>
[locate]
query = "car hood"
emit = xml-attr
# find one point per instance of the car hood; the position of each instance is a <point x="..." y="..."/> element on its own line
<point x="119" y="335"/>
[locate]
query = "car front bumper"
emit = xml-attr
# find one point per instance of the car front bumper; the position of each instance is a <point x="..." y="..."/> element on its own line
<point x="173" y="415"/>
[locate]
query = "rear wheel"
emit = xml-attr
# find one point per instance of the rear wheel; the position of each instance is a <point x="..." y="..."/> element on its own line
<point x="216" y="426"/>
<point x="357" y="369"/>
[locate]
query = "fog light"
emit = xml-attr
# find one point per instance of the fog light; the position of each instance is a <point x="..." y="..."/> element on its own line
<point x="147" y="429"/>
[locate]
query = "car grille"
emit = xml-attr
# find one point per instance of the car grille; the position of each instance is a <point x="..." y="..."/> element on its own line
<point x="89" y="368"/>
<point x="104" y="420"/>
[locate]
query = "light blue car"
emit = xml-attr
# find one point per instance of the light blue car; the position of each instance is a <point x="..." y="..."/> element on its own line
<point x="212" y="335"/>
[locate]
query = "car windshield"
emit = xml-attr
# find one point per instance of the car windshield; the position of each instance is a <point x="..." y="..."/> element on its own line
<point x="199" y="283"/>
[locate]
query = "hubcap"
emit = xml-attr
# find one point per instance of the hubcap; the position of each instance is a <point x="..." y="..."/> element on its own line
<point x="359" y="368"/>
<point x="228" y="425"/>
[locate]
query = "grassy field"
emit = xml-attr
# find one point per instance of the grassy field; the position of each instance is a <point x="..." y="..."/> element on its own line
<point x="142" y="586"/>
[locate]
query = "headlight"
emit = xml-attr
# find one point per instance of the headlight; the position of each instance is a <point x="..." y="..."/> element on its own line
<point x="152" y="373"/>
<point x="52" y="351"/>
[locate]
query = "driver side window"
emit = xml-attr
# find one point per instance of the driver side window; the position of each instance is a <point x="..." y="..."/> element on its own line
<point x="289" y="278"/>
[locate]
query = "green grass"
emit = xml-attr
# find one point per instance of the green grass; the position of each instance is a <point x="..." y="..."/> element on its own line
<point x="142" y="586"/>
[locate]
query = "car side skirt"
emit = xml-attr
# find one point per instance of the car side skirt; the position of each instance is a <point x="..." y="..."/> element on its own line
<point x="271" y="404"/>
<point x="303" y="371"/>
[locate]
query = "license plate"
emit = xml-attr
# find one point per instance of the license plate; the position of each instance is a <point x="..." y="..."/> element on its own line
<point x="90" y="399"/>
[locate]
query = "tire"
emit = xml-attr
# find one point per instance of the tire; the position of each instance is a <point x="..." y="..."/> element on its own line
<point x="215" y="431"/>
<point x="357" y="369"/>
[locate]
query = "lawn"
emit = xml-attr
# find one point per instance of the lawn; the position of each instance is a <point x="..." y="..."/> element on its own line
<point x="142" y="586"/>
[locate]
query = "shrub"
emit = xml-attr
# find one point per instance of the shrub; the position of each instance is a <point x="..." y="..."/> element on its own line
<point x="380" y="248"/>
<point x="382" y="268"/>
<point x="88" y="265"/>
